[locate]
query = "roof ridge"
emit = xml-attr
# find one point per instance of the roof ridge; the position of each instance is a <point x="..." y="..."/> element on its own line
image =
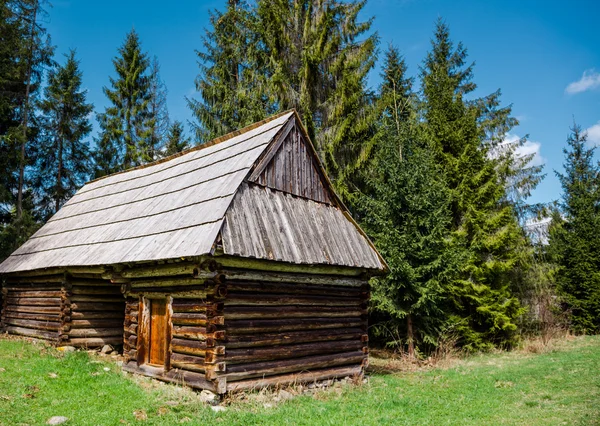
<point x="213" y="142"/>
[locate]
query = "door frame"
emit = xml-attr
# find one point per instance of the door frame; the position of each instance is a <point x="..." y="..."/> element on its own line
<point x="144" y="330"/>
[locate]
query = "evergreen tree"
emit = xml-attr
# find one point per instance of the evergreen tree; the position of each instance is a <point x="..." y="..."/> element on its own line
<point x="484" y="224"/>
<point x="231" y="74"/>
<point x="575" y="236"/>
<point x="405" y="209"/>
<point x="25" y="51"/>
<point x="176" y="139"/>
<point x="125" y="122"/>
<point x="63" y="162"/>
<point x="158" y="116"/>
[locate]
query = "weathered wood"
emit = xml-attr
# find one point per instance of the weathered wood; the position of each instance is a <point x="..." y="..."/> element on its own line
<point x="97" y="315"/>
<point x="40" y="325"/>
<point x="169" y="269"/>
<point x="268" y="265"/>
<point x="196" y="319"/>
<point x="91" y="306"/>
<point x="34" y="309"/>
<point x="299" y="278"/>
<point x="295" y="288"/>
<point x="30" y="332"/>
<point x="181" y="305"/>
<point x="270" y="368"/>
<point x="98" y="299"/>
<point x="264" y="312"/>
<point x="188" y="362"/>
<point x="85" y="276"/>
<point x="195" y="347"/>
<point x="35" y="294"/>
<point x="157" y="332"/>
<point x="178" y="293"/>
<point x="262" y="326"/>
<point x="294" y="337"/>
<point x="295" y="378"/>
<point x="96" y="332"/>
<point x="36" y="279"/>
<point x="79" y="282"/>
<point x="95" y="341"/>
<point x="174" y="282"/>
<point x="181" y="377"/>
<point x="80" y="290"/>
<point x="33" y="301"/>
<point x="245" y="299"/>
<point x="289" y="351"/>
<point x="100" y="323"/>
<point x="32" y="316"/>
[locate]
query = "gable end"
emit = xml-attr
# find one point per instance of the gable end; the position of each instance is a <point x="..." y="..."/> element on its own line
<point x="291" y="166"/>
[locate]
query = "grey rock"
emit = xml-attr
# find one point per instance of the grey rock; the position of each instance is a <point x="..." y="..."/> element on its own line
<point x="207" y="396"/>
<point x="106" y="349"/>
<point x="217" y="408"/>
<point x="66" y="348"/>
<point x="57" y="420"/>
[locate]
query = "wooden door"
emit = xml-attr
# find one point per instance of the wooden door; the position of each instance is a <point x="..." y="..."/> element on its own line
<point x="158" y="332"/>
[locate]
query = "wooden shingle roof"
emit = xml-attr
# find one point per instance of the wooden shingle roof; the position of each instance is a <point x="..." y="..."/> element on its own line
<point x="176" y="208"/>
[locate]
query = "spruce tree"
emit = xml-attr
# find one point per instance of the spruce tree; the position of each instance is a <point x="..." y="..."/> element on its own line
<point x="405" y="208"/>
<point x="231" y="80"/>
<point x="63" y="163"/>
<point x="157" y="123"/>
<point x="484" y="223"/>
<point x="176" y="139"/>
<point x="124" y="123"/>
<point x="575" y="235"/>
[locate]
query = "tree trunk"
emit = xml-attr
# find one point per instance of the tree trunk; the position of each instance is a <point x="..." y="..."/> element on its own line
<point x="410" y="336"/>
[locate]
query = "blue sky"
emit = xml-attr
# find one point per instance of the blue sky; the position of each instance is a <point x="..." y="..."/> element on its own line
<point x="543" y="55"/>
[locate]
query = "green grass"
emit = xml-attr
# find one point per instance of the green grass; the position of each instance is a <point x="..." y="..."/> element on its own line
<point x="561" y="386"/>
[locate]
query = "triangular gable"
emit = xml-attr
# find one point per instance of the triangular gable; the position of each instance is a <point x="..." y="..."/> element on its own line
<point x="290" y="164"/>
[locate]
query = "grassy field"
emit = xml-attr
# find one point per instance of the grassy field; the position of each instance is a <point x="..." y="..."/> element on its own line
<point x="558" y="386"/>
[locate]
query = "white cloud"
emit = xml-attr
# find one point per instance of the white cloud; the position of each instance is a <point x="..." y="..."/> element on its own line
<point x="528" y="148"/>
<point x="589" y="80"/>
<point x="593" y="134"/>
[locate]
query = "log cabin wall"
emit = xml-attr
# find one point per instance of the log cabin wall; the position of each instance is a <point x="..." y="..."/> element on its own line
<point x="194" y="333"/>
<point x="94" y="311"/>
<point x="291" y="329"/>
<point x="33" y="306"/>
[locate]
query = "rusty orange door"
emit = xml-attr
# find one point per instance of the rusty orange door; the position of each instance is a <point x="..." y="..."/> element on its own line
<point x="158" y="332"/>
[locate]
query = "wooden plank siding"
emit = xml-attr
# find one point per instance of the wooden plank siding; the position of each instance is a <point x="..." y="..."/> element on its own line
<point x="293" y="168"/>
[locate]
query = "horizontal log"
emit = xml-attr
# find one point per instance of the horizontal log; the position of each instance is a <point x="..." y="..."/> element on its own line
<point x="97" y="323"/>
<point x="293" y="337"/>
<point x="97" y="298"/>
<point x="96" y="332"/>
<point x="181" y="377"/>
<point x="95" y="341"/>
<point x="29" y="332"/>
<point x="262" y="326"/>
<point x="265" y="312"/>
<point x="132" y="340"/>
<point x="34" y="309"/>
<point x="237" y="356"/>
<point x="298" y="278"/>
<point x="131" y="319"/>
<point x="295" y="378"/>
<point x="41" y="279"/>
<point x="166" y="292"/>
<point x="195" y="319"/>
<point x="91" y="306"/>
<point x="32" y="316"/>
<point x="188" y="362"/>
<point x="97" y="315"/>
<point x="295" y="288"/>
<point x="195" y="347"/>
<point x="156" y="283"/>
<point x="33" y="301"/>
<point x="160" y="270"/>
<point x="85" y="276"/>
<point x="270" y="368"/>
<point x="32" y="287"/>
<point x="267" y="265"/>
<point x="104" y="290"/>
<point x="245" y="299"/>
<point x="192" y="333"/>
<point x="182" y="305"/>
<point x="36" y="293"/>
<point x="39" y="325"/>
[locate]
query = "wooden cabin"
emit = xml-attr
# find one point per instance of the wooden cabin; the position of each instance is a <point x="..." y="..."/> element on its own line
<point x="231" y="266"/>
